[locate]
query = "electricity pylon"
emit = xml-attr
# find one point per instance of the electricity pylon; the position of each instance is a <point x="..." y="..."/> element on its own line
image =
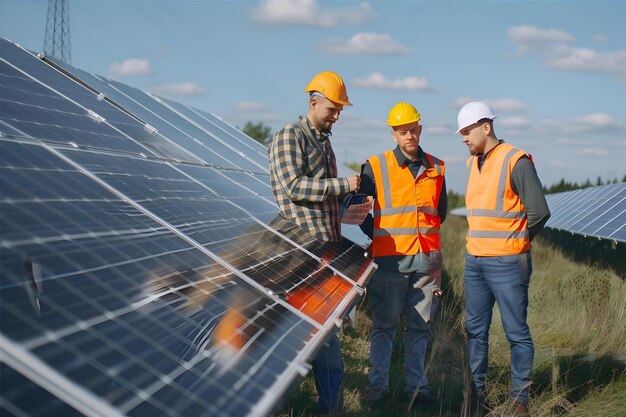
<point x="57" y="40"/>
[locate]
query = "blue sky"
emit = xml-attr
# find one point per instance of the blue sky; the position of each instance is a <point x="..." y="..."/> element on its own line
<point x="553" y="71"/>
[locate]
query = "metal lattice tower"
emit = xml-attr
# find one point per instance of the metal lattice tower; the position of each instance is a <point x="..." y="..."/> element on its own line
<point x="57" y="40"/>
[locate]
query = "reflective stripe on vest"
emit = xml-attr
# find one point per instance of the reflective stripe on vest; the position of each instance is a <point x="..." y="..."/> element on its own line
<point x="406" y="219"/>
<point x="406" y="209"/>
<point x="496" y="216"/>
<point x="390" y="231"/>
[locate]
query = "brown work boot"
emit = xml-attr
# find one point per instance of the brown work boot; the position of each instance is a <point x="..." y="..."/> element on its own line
<point x="519" y="410"/>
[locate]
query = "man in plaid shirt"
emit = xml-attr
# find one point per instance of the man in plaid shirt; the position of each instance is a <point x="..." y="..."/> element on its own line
<point x="303" y="173"/>
<point x="303" y="169"/>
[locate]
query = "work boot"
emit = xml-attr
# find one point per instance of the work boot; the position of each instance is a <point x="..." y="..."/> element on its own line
<point x="374" y="396"/>
<point x="519" y="410"/>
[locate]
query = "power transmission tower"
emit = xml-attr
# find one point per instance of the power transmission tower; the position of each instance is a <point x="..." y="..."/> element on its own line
<point x="57" y="40"/>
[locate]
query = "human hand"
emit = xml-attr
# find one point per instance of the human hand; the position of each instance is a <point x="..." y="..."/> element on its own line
<point x="355" y="182"/>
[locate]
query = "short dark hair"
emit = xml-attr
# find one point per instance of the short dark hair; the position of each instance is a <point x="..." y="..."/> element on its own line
<point x="485" y="120"/>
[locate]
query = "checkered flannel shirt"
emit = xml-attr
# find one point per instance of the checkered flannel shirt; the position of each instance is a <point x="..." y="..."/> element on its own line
<point x="303" y="173"/>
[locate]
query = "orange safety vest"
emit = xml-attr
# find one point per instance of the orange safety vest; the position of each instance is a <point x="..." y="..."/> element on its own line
<point x="498" y="223"/>
<point x="406" y="220"/>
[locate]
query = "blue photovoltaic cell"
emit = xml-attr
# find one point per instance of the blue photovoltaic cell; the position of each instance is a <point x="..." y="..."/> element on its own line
<point x="185" y="133"/>
<point x="241" y="145"/>
<point x="121" y="118"/>
<point x="262" y="205"/>
<point x="232" y="132"/>
<point x="595" y="211"/>
<point x="143" y="273"/>
<point x="147" y="109"/>
<point x="38" y="112"/>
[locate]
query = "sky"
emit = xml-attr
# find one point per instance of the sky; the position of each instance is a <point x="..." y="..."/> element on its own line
<point x="554" y="72"/>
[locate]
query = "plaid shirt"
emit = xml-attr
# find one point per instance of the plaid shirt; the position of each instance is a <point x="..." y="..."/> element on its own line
<point x="303" y="173"/>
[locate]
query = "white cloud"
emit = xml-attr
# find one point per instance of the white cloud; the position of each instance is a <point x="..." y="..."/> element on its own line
<point x="377" y="80"/>
<point x="308" y="13"/>
<point x="130" y="67"/>
<point x="182" y="89"/>
<point x="505" y="104"/>
<point x="554" y="46"/>
<point x="595" y="121"/>
<point x="496" y="104"/>
<point x="532" y="39"/>
<point x="438" y="129"/>
<point x="570" y="141"/>
<point x="459" y="102"/>
<point x="250" y="106"/>
<point x="556" y="163"/>
<point x="528" y="33"/>
<point x="364" y="43"/>
<point x="514" y="122"/>
<point x="594" y="152"/>
<point x="585" y="59"/>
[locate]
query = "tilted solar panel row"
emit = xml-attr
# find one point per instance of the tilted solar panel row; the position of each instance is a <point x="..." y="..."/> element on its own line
<point x="596" y="211"/>
<point x="144" y="267"/>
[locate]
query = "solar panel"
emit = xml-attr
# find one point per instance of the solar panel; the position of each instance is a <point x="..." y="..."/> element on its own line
<point x="145" y="269"/>
<point x="595" y="211"/>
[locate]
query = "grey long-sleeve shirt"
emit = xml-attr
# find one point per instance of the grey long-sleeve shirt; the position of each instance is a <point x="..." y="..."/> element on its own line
<point x="526" y="185"/>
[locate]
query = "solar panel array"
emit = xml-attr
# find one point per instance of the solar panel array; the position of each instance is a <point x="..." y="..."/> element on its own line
<point x="144" y="269"/>
<point x="595" y="211"/>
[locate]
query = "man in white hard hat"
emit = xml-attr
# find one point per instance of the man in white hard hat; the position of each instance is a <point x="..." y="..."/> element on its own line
<point x="506" y="208"/>
<point x="409" y="188"/>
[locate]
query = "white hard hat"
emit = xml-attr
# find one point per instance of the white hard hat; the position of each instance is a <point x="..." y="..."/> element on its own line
<point x="473" y="112"/>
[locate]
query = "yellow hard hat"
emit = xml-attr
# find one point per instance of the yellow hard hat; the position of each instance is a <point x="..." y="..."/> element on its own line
<point x="401" y="114"/>
<point x="331" y="85"/>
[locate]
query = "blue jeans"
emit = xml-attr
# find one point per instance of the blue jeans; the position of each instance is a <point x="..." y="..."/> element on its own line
<point x="505" y="280"/>
<point x="328" y="373"/>
<point x="390" y="294"/>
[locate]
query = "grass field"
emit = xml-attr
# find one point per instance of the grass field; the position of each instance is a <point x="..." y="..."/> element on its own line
<point x="577" y="316"/>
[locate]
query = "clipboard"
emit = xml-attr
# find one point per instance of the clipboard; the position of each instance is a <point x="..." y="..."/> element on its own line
<point x="355" y="208"/>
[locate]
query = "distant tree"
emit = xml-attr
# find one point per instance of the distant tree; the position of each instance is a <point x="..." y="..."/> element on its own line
<point x="257" y="131"/>
<point x="568" y="186"/>
<point x="455" y="200"/>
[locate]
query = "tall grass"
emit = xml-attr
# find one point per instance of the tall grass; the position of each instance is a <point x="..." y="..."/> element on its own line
<point x="577" y="316"/>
